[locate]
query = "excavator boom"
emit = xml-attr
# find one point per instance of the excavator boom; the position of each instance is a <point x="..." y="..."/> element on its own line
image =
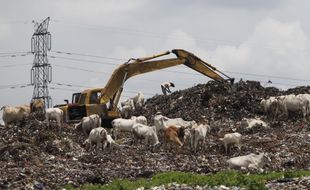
<point x="114" y="86"/>
<point x="103" y="101"/>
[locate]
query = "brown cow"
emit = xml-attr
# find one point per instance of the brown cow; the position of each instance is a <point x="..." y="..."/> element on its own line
<point x="175" y="134"/>
<point x="37" y="105"/>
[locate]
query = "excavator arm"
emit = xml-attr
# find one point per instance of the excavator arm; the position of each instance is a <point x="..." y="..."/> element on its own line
<point x="113" y="89"/>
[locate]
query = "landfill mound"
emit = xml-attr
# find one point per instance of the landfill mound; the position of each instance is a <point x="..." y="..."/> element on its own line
<point x="214" y="100"/>
<point x="34" y="156"/>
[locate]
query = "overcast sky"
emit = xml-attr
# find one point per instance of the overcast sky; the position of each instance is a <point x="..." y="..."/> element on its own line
<point x="249" y="39"/>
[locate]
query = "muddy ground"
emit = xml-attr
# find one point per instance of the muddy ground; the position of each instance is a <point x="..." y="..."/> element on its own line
<point x="33" y="156"/>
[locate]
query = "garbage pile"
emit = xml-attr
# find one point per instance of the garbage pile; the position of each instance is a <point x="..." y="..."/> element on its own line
<point x="34" y="156"/>
<point x="214" y="101"/>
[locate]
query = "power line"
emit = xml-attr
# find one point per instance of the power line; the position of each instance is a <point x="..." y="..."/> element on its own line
<point x="71" y="85"/>
<point x="269" y="76"/>
<point x="80" y="69"/>
<point x="136" y="92"/>
<point x="166" y="70"/>
<point x="18" y="52"/>
<point x="188" y="73"/>
<point x="8" y="85"/>
<point x="82" y="60"/>
<point x="16" y="22"/>
<point x="15" y="65"/>
<point x="14" y="86"/>
<point x="92" y="61"/>
<point x="93" y="71"/>
<point x="65" y="89"/>
<point x="197" y="74"/>
<point x="14" y="55"/>
<point x="76" y="90"/>
<point x="88" y="55"/>
<point x="83" y="86"/>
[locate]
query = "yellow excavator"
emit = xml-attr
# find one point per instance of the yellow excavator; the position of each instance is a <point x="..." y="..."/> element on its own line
<point x="103" y="101"/>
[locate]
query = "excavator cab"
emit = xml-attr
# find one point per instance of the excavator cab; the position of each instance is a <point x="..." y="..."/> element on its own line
<point x="87" y="103"/>
<point x="75" y="98"/>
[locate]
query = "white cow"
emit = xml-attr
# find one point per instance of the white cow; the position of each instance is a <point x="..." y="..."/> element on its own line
<point x="143" y="131"/>
<point x="138" y="100"/>
<point x="128" y="102"/>
<point x="253" y="161"/>
<point x="162" y="122"/>
<point x="127" y="108"/>
<point x="14" y="114"/>
<point x="140" y="119"/>
<point x="125" y="125"/>
<point x="251" y="123"/>
<point x="231" y="139"/>
<point x="198" y="133"/>
<point x="292" y="103"/>
<point x="110" y="141"/>
<point x="98" y="137"/>
<point x="266" y="103"/>
<point x="54" y="114"/>
<point x="88" y="123"/>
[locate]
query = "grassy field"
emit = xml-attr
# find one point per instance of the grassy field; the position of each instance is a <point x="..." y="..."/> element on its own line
<point x="227" y="178"/>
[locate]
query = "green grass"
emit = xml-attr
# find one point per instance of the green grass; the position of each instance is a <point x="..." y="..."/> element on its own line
<point x="227" y="178"/>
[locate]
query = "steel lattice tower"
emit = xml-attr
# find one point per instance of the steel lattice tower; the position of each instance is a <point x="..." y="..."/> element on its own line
<point x="41" y="71"/>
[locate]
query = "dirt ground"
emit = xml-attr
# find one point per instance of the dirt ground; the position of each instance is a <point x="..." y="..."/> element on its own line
<point x="33" y="156"/>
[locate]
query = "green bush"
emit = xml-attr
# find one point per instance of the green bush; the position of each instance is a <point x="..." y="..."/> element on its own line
<point x="227" y="178"/>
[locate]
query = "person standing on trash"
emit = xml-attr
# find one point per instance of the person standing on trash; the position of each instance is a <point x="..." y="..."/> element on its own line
<point x="165" y="87"/>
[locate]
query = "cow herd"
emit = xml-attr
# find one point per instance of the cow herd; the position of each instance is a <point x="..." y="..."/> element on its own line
<point x="165" y="131"/>
<point x="280" y="106"/>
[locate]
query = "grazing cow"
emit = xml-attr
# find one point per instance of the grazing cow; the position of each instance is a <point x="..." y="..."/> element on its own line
<point x="198" y="133"/>
<point x="231" y="139"/>
<point x="14" y="114"/>
<point x="266" y="104"/>
<point x="162" y="122"/>
<point x="140" y="119"/>
<point x="54" y="114"/>
<point x="291" y="103"/>
<point x="88" y="123"/>
<point x="174" y="134"/>
<point x="143" y="131"/>
<point x="296" y="103"/>
<point x="111" y="142"/>
<point x="251" y="123"/>
<point x="125" y="125"/>
<point x="98" y="137"/>
<point x="249" y="161"/>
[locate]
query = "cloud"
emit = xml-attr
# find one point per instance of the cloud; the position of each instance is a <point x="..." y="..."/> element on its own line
<point x="181" y="40"/>
<point x="127" y="53"/>
<point x="248" y="4"/>
<point x="109" y="12"/>
<point x="275" y="48"/>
